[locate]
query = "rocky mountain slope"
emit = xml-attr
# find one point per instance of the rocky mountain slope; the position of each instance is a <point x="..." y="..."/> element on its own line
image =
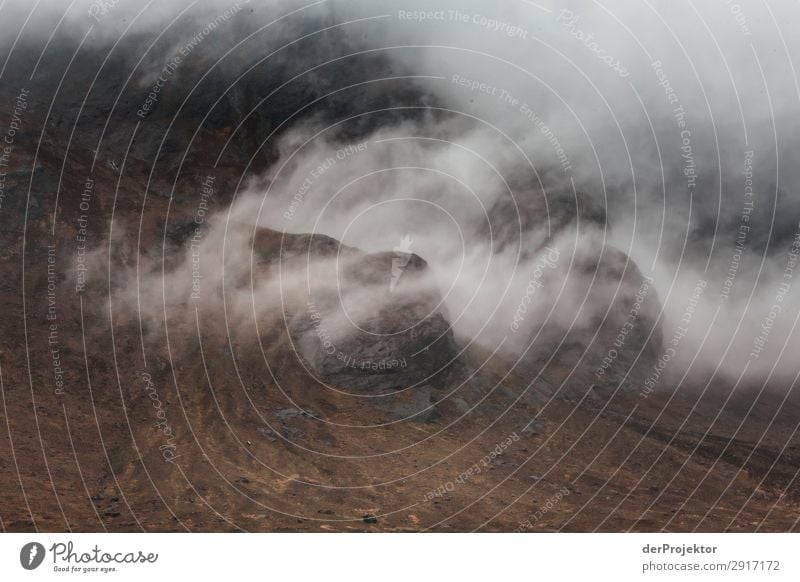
<point x="308" y="385"/>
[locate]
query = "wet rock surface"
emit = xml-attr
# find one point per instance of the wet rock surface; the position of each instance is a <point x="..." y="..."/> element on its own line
<point x="405" y="340"/>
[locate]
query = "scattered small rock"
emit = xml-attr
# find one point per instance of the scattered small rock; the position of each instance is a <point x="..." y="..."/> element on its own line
<point x="267" y="433"/>
<point x="461" y="405"/>
<point x="369" y="518"/>
<point x="287" y="414"/>
<point x="535" y="427"/>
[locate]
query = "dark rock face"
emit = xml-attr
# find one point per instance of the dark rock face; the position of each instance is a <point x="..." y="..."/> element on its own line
<point x="617" y="344"/>
<point x="534" y="217"/>
<point x="23" y="191"/>
<point x="415" y="404"/>
<point x="387" y="355"/>
<point x="401" y="339"/>
<point x="614" y="337"/>
<point x="235" y="94"/>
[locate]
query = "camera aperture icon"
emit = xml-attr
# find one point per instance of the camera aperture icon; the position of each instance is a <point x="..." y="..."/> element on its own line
<point x="31" y="555"/>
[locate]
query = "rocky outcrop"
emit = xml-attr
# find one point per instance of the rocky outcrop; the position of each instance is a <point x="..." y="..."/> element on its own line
<point x="606" y="330"/>
<point x="402" y="339"/>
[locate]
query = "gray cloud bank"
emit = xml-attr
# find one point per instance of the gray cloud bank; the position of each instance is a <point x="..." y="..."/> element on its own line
<point x="679" y="120"/>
